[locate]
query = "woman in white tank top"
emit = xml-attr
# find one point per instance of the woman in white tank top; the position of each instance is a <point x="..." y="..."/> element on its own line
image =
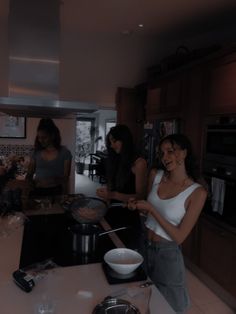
<point x="174" y="203"/>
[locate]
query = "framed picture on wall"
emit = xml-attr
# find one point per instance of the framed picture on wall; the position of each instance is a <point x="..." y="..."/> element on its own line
<point x="12" y="127"/>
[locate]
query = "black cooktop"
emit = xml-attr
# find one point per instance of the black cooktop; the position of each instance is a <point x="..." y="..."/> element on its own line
<point x="48" y="237"/>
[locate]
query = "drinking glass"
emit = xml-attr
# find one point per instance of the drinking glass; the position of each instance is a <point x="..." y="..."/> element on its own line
<point x="45" y="306"/>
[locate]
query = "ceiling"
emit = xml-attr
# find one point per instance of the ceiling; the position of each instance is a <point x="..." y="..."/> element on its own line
<point x="102" y="46"/>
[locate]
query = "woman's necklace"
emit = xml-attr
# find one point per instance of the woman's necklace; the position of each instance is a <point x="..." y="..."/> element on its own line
<point x="180" y="184"/>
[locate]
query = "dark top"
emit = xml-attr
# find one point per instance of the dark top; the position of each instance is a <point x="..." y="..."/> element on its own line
<point x="129" y="186"/>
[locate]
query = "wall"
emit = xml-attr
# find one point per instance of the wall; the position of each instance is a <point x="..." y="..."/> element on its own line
<point x="67" y="129"/>
<point x="101" y="120"/>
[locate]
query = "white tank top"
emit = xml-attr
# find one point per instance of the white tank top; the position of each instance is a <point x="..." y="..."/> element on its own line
<point x="172" y="209"/>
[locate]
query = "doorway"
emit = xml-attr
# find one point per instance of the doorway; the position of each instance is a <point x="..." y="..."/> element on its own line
<point x="85" y="134"/>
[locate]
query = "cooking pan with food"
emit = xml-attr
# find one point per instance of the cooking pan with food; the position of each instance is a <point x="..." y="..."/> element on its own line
<point x="86" y="209"/>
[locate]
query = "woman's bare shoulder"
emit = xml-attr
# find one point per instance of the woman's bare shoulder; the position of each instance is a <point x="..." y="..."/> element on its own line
<point x="140" y="162"/>
<point x="200" y="191"/>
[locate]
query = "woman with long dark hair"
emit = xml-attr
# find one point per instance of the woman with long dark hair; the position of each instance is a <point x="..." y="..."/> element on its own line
<point x="51" y="162"/>
<point x="174" y="203"/>
<point x="126" y="174"/>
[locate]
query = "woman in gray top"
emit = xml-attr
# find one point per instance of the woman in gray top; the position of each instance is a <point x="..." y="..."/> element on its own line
<point x="50" y="164"/>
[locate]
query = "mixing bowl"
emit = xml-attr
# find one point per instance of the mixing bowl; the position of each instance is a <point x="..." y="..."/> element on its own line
<point x="123" y="261"/>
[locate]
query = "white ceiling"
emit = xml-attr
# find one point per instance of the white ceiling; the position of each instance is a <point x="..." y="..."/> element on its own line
<point x="102" y="46"/>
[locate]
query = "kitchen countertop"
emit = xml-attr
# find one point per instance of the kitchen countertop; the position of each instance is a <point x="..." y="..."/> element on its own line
<point x="75" y="289"/>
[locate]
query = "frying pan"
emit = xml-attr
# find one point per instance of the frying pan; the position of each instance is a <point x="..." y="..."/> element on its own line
<point x="87" y="209"/>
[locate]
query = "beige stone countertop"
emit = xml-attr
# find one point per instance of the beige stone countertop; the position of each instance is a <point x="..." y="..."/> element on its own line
<point x="73" y="290"/>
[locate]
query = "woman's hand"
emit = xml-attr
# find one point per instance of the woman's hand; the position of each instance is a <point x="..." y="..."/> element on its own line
<point x="103" y="193"/>
<point x="142" y="205"/>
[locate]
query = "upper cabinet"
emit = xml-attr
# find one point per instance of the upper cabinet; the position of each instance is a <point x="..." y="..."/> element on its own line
<point x="153" y="103"/>
<point x="172" y="92"/>
<point x="164" y="99"/>
<point x="130" y="110"/>
<point x="222" y="91"/>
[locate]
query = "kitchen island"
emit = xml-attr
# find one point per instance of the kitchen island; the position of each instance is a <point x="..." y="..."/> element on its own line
<point x="73" y="289"/>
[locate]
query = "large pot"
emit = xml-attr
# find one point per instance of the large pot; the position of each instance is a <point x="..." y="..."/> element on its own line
<point x="86" y="236"/>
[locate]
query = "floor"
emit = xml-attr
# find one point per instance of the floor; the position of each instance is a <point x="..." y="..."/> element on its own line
<point x="203" y="300"/>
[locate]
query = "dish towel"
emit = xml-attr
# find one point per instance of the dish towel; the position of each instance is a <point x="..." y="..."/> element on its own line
<point x="218" y="195"/>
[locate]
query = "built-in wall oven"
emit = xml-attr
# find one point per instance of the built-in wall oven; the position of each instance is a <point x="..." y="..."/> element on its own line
<point x="219" y="166"/>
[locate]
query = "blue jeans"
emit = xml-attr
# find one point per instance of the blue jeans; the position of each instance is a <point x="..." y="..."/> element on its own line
<point x="165" y="266"/>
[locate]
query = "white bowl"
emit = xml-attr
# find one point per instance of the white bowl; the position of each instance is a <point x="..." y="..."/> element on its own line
<point x="123" y="261"/>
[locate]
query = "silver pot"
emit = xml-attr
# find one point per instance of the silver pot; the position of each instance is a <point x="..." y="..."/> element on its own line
<point x="115" y="306"/>
<point x="86" y="236"/>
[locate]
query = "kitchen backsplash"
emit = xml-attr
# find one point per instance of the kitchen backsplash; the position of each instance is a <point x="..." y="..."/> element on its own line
<point x="19" y="150"/>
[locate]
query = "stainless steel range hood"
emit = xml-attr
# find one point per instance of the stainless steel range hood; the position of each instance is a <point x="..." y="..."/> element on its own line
<point x="34" y="41"/>
<point x="42" y="108"/>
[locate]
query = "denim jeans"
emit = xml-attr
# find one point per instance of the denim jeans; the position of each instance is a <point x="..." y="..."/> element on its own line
<point x="165" y="266"/>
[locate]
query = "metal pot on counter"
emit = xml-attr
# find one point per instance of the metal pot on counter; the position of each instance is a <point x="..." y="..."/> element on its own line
<point x="86" y="237"/>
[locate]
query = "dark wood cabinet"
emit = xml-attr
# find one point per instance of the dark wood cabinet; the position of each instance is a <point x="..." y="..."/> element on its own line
<point x="190" y="246"/>
<point x="217" y="254"/>
<point x="222" y="91"/>
<point x="130" y="111"/>
<point x="153" y="103"/>
<point x="172" y="92"/>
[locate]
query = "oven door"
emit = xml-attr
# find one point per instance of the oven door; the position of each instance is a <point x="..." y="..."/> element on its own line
<point x="229" y="213"/>
<point x="221" y="142"/>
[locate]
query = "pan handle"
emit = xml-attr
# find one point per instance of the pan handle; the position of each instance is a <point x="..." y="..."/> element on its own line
<point x="112" y="230"/>
<point x="117" y="204"/>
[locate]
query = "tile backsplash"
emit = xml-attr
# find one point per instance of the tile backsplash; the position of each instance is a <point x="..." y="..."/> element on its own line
<point x="19" y="150"/>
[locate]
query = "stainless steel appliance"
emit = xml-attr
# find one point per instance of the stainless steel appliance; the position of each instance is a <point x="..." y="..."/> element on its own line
<point x="220" y="140"/>
<point x="48" y="237"/>
<point x="220" y="162"/>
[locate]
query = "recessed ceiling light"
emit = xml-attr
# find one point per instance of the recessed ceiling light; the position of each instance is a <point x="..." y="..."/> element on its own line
<point x="140" y="25"/>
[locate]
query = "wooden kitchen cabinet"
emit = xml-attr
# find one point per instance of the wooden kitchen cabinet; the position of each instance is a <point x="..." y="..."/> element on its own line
<point x="171" y="95"/>
<point x="153" y="103"/>
<point x="222" y="91"/>
<point x="190" y="246"/>
<point x="217" y="257"/>
<point x="130" y="111"/>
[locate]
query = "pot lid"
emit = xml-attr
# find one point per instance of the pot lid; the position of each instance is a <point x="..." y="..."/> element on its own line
<point x="115" y="306"/>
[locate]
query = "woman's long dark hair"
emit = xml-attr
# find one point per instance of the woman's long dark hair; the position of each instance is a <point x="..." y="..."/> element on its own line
<point x="183" y="142"/>
<point x="49" y="127"/>
<point x="119" y="165"/>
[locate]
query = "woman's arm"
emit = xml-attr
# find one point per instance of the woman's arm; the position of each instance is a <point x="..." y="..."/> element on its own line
<point x="31" y="169"/>
<point x="179" y="233"/>
<point x="151" y="178"/>
<point x="67" y="170"/>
